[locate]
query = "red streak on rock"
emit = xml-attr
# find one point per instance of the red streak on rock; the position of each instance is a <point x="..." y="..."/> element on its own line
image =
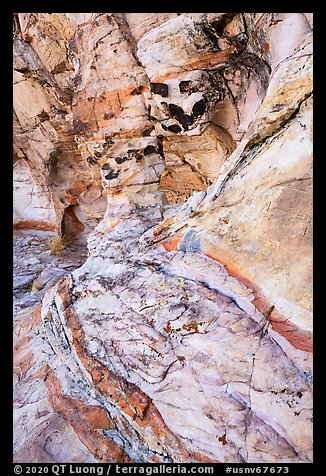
<point x="35" y="224"/>
<point x="105" y="108"/>
<point x="203" y="61"/>
<point x="88" y="421"/>
<point x="297" y="337"/>
<point x="300" y="339"/>
<point x="110" y="103"/>
<point x="171" y="244"/>
<point x="125" y="395"/>
<point x="79" y="227"/>
<point x="232" y="271"/>
<point x="261" y="304"/>
<point x="78" y="187"/>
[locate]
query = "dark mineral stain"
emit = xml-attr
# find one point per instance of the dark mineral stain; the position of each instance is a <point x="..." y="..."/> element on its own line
<point x="174" y="128"/>
<point x="91" y="160"/>
<point x="175" y="110"/>
<point x="77" y="80"/>
<point x="62" y="112"/>
<point x="299" y="394"/>
<point x="160" y="148"/>
<point x="252" y="62"/>
<point x="149" y="149"/>
<point x="186" y="120"/>
<point x="151" y="118"/>
<point x="120" y="160"/>
<point x="219" y="25"/>
<point x="147" y="132"/>
<point x="52" y="162"/>
<point x="108" y="139"/>
<point x="25" y="71"/>
<point x="160" y="88"/>
<point x="185" y="86"/>
<point x="278" y="107"/>
<point x="59" y="68"/>
<point x="72" y="44"/>
<point x="43" y="116"/>
<point x="210" y="34"/>
<point x="241" y="40"/>
<point x="107" y="116"/>
<point x="133" y="152"/>
<point x="222" y="439"/>
<point x="112" y="175"/>
<point x="106" y="167"/>
<point x="98" y="155"/>
<point x="137" y="91"/>
<point x="79" y="126"/>
<point x="164" y="127"/>
<point x="199" y="108"/>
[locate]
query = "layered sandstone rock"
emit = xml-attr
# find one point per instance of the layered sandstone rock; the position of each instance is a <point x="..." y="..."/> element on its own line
<point x="181" y="144"/>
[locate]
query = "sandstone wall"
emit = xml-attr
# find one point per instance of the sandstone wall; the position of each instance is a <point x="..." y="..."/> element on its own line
<point x="183" y="143"/>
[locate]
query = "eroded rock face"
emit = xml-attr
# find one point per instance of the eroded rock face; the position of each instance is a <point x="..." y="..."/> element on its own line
<point x="182" y="144"/>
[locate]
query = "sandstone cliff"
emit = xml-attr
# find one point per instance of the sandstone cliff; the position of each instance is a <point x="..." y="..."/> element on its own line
<point x="180" y="145"/>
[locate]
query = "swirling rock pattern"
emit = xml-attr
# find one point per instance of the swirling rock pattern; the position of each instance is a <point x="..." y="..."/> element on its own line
<point x="182" y="144"/>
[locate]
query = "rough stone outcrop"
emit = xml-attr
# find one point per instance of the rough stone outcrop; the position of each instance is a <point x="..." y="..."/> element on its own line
<point x="182" y="145"/>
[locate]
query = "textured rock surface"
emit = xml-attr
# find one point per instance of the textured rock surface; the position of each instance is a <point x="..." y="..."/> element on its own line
<point x="181" y="145"/>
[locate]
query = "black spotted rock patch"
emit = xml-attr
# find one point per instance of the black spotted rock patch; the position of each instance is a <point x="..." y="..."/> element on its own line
<point x="150" y="149"/>
<point x="174" y="128"/>
<point x="199" y="108"/>
<point x="112" y="175"/>
<point x="160" y="88"/>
